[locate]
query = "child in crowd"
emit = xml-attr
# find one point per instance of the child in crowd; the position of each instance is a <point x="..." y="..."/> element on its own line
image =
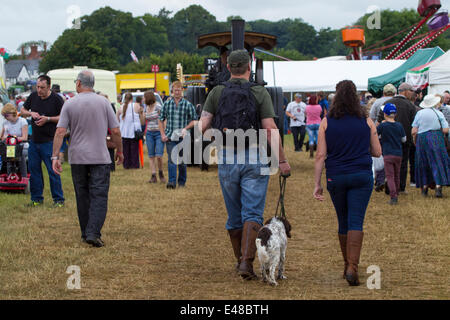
<point x="392" y="136"/>
<point x="16" y="126"/>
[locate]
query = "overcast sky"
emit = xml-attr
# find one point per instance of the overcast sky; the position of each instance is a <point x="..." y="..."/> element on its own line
<point x="26" y="20"/>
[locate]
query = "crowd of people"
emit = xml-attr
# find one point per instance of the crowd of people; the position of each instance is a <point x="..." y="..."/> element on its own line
<point x="402" y="109"/>
<point x="347" y="130"/>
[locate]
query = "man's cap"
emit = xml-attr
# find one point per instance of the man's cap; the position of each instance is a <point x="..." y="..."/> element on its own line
<point x="238" y="58"/>
<point x="389" y="88"/>
<point x="389" y="109"/>
<point x="297" y="95"/>
<point x="405" y="86"/>
<point x="56" y="88"/>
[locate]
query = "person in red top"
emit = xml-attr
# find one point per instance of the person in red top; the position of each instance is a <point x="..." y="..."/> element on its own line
<point x="313" y="111"/>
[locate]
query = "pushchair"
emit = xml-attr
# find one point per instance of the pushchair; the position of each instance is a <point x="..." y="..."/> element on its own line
<point x="14" y="175"/>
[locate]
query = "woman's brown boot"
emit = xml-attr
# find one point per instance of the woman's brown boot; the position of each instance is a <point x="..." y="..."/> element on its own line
<point x="343" y="243"/>
<point x="354" y="244"/>
<point x="311" y="152"/>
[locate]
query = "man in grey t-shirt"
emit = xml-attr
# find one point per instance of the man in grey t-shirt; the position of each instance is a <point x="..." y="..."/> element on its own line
<point x="89" y="116"/>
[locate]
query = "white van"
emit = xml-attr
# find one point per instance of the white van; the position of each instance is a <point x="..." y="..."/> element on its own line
<point x="105" y="81"/>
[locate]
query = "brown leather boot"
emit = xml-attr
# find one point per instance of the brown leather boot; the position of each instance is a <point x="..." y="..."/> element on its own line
<point x="354" y="244"/>
<point x="248" y="249"/>
<point x="343" y="243"/>
<point x="236" y="237"/>
<point x="311" y="152"/>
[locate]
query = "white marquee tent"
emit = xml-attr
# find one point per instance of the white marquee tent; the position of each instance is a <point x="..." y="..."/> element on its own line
<point x="435" y="75"/>
<point x="314" y="76"/>
<point x="440" y="74"/>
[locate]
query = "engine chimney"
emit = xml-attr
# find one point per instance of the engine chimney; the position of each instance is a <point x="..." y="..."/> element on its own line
<point x="237" y="34"/>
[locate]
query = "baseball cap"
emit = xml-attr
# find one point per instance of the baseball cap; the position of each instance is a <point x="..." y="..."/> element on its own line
<point x="389" y="88"/>
<point x="405" y="86"/>
<point x="297" y="95"/>
<point x="389" y="109"/>
<point x="238" y="58"/>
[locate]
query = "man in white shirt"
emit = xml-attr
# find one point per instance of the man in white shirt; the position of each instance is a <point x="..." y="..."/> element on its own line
<point x="296" y="111"/>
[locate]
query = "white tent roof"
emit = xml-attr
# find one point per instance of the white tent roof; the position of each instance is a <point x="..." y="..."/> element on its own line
<point x="439" y="74"/>
<point x="314" y="76"/>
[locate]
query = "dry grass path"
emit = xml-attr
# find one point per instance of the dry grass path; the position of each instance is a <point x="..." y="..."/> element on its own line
<point x="163" y="244"/>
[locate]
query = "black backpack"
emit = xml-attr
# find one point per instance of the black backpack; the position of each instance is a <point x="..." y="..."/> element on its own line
<point x="237" y="108"/>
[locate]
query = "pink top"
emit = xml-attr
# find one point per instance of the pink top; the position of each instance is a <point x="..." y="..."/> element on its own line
<point x="313" y="114"/>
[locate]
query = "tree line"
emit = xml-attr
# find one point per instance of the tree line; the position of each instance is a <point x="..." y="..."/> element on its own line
<point x="107" y="36"/>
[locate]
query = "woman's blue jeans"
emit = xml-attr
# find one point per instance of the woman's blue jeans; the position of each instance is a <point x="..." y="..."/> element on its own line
<point x="350" y="194"/>
<point x="313" y="132"/>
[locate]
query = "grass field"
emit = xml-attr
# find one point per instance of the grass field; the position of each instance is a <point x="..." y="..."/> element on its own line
<point x="163" y="244"/>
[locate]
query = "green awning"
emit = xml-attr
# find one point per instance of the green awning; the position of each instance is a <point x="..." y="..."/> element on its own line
<point x="397" y="76"/>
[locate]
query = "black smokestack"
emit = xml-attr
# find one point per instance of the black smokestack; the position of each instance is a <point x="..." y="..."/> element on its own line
<point x="237" y="34"/>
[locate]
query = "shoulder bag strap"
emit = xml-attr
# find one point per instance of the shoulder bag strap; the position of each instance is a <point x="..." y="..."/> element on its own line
<point x="439" y="119"/>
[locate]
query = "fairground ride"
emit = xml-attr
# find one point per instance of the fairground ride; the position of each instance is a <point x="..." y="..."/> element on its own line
<point x="437" y="22"/>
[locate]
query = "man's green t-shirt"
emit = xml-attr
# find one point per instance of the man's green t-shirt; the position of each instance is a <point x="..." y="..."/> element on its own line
<point x="263" y="100"/>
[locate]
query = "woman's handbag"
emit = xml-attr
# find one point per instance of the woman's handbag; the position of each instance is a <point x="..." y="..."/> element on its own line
<point x="447" y="144"/>
<point x="138" y="134"/>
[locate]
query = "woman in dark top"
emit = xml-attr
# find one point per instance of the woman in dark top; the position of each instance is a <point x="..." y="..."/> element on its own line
<point x="347" y="141"/>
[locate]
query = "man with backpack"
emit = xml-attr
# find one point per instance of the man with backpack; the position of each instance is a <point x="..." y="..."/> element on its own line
<point x="239" y="104"/>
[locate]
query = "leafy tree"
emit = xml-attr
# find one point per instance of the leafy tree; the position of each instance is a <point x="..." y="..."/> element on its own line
<point x="152" y="35"/>
<point x="302" y="37"/>
<point x="192" y="63"/>
<point x="291" y="54"/>
<point x="188" y="24"/>
<point x="392" y="22"/>
<point x="117" y="28"/>
<point x="82" y="48"/>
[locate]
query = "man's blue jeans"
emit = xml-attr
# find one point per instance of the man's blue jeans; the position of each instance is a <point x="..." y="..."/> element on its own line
<point x="244" y="190"/>
<point x="172" y="164"/>
<point x="37" y="153"/>
<point x="350" y="194"/>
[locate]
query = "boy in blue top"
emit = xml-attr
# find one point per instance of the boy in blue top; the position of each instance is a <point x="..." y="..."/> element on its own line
<point x="392" y="136"/>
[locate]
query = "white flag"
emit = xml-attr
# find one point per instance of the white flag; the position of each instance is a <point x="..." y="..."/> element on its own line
<point x="133" y="56"/>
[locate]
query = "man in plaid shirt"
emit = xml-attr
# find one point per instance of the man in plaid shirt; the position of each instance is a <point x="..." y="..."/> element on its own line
<point x="180" y="117"/>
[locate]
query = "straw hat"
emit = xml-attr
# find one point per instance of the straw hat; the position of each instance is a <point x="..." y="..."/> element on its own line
<point x="430" y="101"/>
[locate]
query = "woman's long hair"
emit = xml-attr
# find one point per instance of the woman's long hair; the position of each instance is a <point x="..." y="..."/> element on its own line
<point x="346" y="102"/>
<point x="128" y="99"/>
<point x="312" y="100"/>
<point x="149" y="98"/>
